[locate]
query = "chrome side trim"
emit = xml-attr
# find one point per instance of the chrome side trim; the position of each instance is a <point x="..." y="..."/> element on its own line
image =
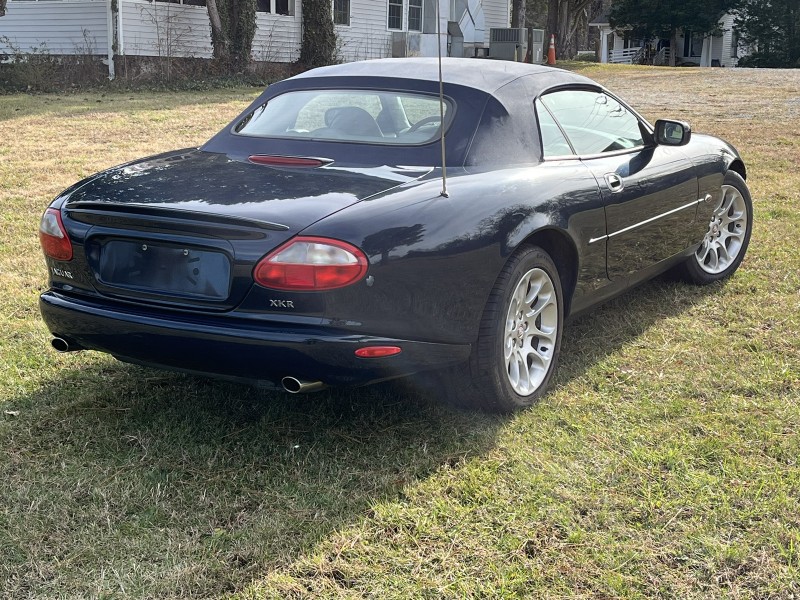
<point x="650" y="220"/>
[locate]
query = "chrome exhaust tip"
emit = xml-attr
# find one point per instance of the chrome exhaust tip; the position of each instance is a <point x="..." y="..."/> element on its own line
<point x="62" y="345"/>
<point x="300" y="386"/>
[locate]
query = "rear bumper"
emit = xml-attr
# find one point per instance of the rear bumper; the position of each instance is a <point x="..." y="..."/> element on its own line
<point x="234" y="348"/>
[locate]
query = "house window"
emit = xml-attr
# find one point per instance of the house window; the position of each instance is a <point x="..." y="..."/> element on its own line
<point x="189" y="2"/>
<point x="341" y="12"/>
<point x="395" y="20"/>
<point x="278" y="7"/>
<point x="415" y="15"/>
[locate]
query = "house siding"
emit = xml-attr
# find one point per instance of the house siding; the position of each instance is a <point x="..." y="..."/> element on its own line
<point x="165" y="29"/>
<point x="148" y="28"/>
<point x="277" y="37"/>
<point x="153" y="28"/>
<point x="367" y="35"/>
<point x="726" y="60"/>
<point x="497" y="13"/>
<point x="57" y="27"/>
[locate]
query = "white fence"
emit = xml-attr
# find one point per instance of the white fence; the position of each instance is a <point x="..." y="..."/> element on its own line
<point x="626" y="56"/>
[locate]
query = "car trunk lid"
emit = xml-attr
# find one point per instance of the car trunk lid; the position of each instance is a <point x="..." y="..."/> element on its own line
<point x="186" y="228"/>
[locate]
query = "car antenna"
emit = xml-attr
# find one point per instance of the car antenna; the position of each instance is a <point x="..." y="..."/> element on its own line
<point x="443" y="193"/>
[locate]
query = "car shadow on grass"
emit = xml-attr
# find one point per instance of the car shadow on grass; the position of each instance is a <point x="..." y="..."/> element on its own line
<point x="169" y="485"/>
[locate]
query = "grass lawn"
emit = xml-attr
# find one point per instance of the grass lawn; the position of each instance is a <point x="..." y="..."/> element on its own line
<point x="663" y="463"/>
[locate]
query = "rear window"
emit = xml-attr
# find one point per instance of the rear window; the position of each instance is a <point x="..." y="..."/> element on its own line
<point x="349" y="116"/>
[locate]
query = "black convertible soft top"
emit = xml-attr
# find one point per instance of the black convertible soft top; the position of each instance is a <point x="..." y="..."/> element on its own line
<point x="481" y="74"/>
<point x="494" y="122"/>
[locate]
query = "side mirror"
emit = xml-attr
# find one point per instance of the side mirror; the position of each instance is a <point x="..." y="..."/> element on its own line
<point x="672" y="133"/>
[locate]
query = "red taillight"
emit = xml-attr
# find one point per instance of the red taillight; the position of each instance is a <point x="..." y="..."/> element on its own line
<point x="377" y="351"/>
<point x="288" y="161"/>
<point x="311" y="264"/>
<point x="53" y="237"/>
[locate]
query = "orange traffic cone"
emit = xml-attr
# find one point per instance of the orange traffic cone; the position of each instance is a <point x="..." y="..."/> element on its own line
<point x="551" y="53"/>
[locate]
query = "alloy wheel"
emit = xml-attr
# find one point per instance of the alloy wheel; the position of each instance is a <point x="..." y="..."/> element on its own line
<point x="726" y="232"/>
<point x="531" y="332"/>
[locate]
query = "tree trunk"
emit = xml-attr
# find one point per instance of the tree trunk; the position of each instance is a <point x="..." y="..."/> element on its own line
<point x="552" y="24"/>
<point x="220" y="45"/>
<point x="318" y="46"/>
<point x="563" y="20"/>
<point x="518" y="13"/>
<point x="563" y="47"/>
<point x="233" y="27"/>
<point x="673" y="47"/>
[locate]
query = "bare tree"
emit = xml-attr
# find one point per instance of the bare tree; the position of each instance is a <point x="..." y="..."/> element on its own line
<point x="564" y="17"/>
<point x="216" y="28"/>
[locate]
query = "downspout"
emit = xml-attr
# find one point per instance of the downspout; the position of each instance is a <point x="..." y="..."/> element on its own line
<point x="120" y="21"/>
<point x="110" y="39"/>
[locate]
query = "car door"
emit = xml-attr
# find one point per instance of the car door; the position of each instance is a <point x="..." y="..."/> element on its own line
<point x="649" y="191"/>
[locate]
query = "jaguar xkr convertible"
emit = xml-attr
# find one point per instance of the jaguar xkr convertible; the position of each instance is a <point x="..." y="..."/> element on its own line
<point x="353" y="225"/>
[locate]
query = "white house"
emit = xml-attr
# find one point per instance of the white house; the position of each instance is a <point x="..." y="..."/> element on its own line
<point x="180" y="28"/>
<point x="705" y="51"/>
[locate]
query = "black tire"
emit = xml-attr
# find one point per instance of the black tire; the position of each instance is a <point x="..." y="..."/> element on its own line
<point x="728" y="234"/>
<point x="487" y="382"/>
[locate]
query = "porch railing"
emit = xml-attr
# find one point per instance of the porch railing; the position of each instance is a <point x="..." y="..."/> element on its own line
<point x="640" y="58"/>
<point x="625" y="56"/>
<point x="662" y="57"/>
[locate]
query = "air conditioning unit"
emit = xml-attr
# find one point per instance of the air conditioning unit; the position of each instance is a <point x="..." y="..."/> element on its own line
<point x="405" y="44"/>
<point x="508" y="43"/>
<point x="537" y="46"/>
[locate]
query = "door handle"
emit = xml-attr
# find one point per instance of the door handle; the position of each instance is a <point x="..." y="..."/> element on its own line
<point x="614" y="182"/>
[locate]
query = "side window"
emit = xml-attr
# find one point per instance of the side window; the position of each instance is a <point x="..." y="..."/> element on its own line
<point x="594" y="122"/>
<point x="395" y="15"/>
<point x="415" y="15"/>
<point x="553" y="141"/>
<point x="341" y="12"/>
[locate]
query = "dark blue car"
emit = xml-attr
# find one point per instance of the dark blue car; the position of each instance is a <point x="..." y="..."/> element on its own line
<point x="314" y="241"/>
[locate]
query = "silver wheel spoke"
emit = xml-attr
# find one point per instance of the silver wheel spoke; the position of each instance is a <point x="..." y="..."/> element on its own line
<point x="513" y="370"/>
<point x="534" y="311"/>
<point x="535" y="332"/>
<point x="722" y="252"/>
<point x="702" y="252"/>
<point x="728" y="219"/>
<point x="524" y="294"/>
<point x="714" y="256"/>
<point x="725" y="205"/>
